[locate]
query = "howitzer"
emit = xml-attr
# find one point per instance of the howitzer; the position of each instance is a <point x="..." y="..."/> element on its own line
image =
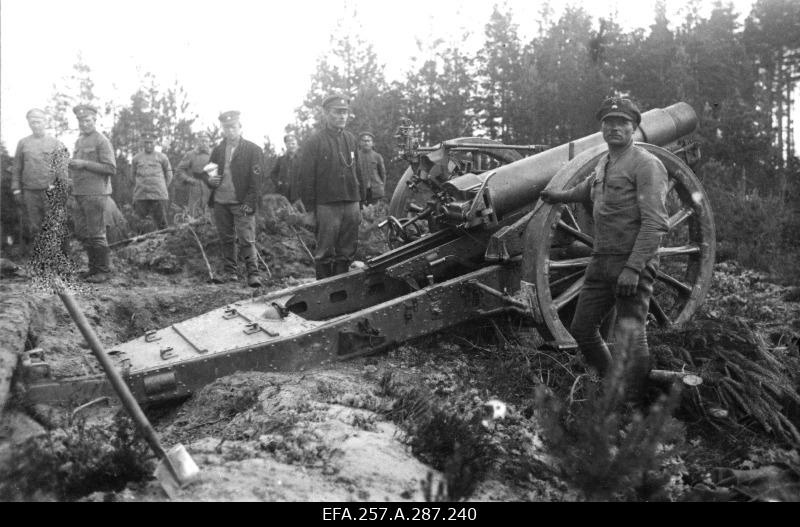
<point x="469" y="238"/>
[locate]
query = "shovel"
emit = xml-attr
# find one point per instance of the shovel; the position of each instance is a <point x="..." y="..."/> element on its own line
<point x="176" y="468"/>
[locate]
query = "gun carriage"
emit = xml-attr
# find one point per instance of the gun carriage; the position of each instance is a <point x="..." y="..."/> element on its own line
<point x="468" y="238"/>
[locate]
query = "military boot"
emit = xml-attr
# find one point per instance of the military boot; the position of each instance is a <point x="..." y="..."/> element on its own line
<point x="324" y="270"/>
<point x="341" y="267"/>
<point x="102" y="265"/>
<point x="92" y="258"/>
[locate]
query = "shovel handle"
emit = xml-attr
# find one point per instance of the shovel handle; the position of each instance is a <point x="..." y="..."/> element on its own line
<point x="122" y="390"/>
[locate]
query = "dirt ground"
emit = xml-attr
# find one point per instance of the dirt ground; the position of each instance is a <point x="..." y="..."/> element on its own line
<point x="467" y="414"/>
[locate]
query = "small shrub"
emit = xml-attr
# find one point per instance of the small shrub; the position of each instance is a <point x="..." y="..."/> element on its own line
<point x="606" y="446"/>
<point x="443" y="437"/>
<point x="77" y="460"/>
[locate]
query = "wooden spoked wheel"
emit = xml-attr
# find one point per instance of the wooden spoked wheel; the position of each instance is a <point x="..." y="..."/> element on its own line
<point x="405" y="198"/>
<point x="558" y="243"/>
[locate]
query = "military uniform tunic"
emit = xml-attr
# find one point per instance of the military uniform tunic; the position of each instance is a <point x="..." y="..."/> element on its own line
<point x="32" y="163"/>
<point x="95" y="179"/>
<point x="152" y="174"/>
<point x="32" y="175"/>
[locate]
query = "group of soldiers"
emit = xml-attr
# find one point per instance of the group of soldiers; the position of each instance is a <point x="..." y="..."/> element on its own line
<point x="330" y="179"/>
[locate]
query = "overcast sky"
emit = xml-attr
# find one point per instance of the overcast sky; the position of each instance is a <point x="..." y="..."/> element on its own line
<point x="256" y="56"/>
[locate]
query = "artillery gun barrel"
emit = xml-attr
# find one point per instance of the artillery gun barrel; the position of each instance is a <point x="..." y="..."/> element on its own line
<point x="518" y="184"/>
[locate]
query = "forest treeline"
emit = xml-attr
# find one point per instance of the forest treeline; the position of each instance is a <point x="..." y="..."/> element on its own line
<point x="738" y="76"/>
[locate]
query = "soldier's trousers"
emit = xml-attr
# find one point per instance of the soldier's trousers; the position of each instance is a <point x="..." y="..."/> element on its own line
<point x="597" y="299"/>
<point x="90" y="226"/>
<point x="35" y="210"/>
<point x="337" y="234"/>
<point x="155" y="208"/>
<point x="234" y="229"/>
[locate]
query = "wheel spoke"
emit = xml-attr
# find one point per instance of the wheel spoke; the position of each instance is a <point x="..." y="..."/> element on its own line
<point x="658" y="312"/>
<point x="568" y="294"/>
<point x="568" y="278"/>
<point x="674" y="282"/>
<point x="671" y="185"/>
<point x="678" y="251"/>
<point x="679" y="217"/>
<point x="585" y="238"/>
<point x="572" y="218"/>
<point x="572" y="262"/>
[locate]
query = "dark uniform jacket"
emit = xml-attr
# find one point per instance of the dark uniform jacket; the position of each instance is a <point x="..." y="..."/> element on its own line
<point x="247" y="167"/>
<point x="629" y="209"/>
<point x="373" y="172"/>
<point x="283" y="176"/>
<point x="328" y="169"/>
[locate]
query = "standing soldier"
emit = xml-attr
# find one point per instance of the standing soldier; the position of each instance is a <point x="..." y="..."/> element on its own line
<point x="628" y="191"/>
<point x="236" y="168"/>
<point x="283" y="173"/>
<point x="91" y="168"/>
<point x="152" y="175"/>
<point x="373" y="171"/>
<point x="32" y="174"/>
<point x="189" y="176"/>
<point x="331" y="189"/>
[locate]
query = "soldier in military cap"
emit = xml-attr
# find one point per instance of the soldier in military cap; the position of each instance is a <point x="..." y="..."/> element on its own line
<point x="283" y="173"/>
<point x="152" y="174"/>
<point x="235" y="179"/>
<point x="373" y="170"/>
<point x="32" y="174"/>
<point x="331" y="188"/>
<point x="91" y="168"/>
<point x="189" y="176"/>
<point x="628" y="191"/>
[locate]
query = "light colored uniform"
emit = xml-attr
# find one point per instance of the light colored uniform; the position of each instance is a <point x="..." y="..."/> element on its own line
<point x="190" y="188"/>
<point x="32" y="176"/>
<point x="91" y="187"/>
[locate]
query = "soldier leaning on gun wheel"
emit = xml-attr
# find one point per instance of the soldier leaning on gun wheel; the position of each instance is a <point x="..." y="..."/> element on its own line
<point x="91" y="168"/>
<point x="628" y="191"/>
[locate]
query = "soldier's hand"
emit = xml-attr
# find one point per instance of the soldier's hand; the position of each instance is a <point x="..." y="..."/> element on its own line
<point x="18" y="198"/>
<point x="77" y="164"/>
<point x="627" y="282"/>
<point x="247" y="210"/>
<point x="551" y="196"/>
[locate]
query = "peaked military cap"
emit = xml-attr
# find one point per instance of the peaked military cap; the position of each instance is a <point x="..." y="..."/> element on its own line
<point x="368" y="134"/>
<point x="616" y="107"/>
<point x="82" y="110"/>
<point x="336" y="100"/>
<point x="149" y="136"/>
<point x="229" y="117"/>
<point x="35" y="112"/>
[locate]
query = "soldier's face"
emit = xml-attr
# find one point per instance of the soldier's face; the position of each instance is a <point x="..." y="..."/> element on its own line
<point x="37" y="126"/>
<point x="337" y="117"/>
<point x="366" y="143"/>
<point x="617" y="131"/>
<point x="149" y="146"/>
<point x="291" y="145"/>
<point x="86" y="124"/>
<point x="203" y="142"/>
<point x="232" y="131"/>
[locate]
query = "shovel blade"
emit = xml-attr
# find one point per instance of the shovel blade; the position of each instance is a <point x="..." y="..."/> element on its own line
<point x="185" y="468"/>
